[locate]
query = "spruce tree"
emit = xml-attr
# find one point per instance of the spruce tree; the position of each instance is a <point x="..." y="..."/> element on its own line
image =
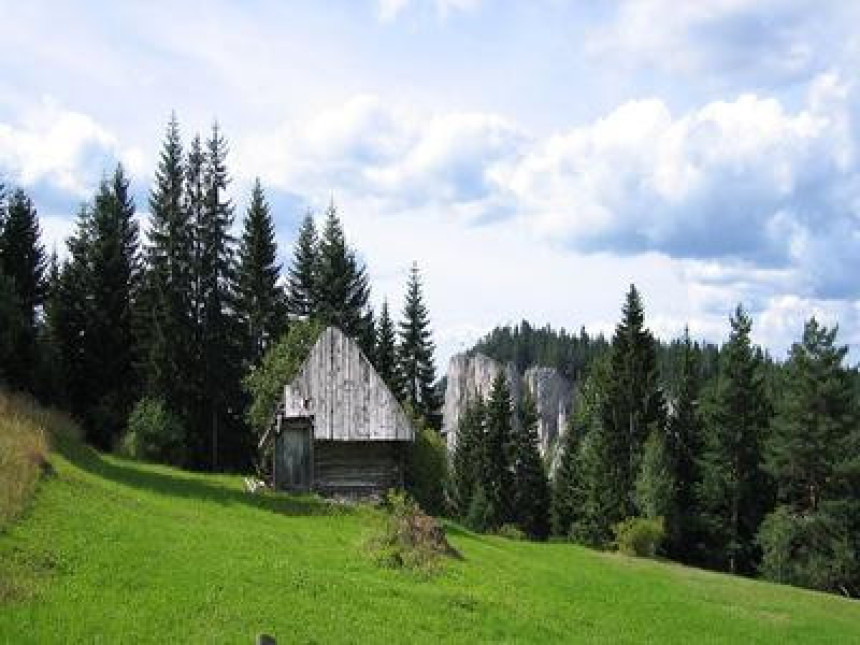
<point x="683" y="446"/>
<point x="733" y="491"/>
<point x="260" y="300"/>
<point x="633" y="406"/>
<point x="303" y="274"/>
<point x="342" y="288"/>
<point x="814" y="415"/>
<point x="221" y="440"/>
<point x="386" y="351"/>
<point x="498" y="482"/>
<point x="166" y="315"/>
<point x="114" y="267"/>
<point x="415" y="351"/>
<point x="22" y="261"/>
<point x="812" y="537"/>
<point x="467" y="465"/>
<point x="531" y="488"/>
<point x="566" y="485"/>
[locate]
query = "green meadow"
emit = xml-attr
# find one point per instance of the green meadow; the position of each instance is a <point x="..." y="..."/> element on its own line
<point x="114" y="551"/>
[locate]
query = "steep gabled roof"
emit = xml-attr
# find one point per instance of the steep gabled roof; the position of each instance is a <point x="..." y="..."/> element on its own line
<point x="348" y="401"/>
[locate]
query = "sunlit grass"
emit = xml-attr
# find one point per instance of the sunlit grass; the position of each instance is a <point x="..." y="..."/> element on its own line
<point x="117" y="551"/>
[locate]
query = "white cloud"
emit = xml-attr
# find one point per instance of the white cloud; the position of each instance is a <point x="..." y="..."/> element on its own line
<point x="389" y="10"/>
<point x="61" y="149"/>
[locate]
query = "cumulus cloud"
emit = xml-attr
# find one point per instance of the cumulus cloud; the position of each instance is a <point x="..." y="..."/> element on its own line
<point x="382" y="151"/>
<point x="60" y="151"/>
<point x="766" y="41"/>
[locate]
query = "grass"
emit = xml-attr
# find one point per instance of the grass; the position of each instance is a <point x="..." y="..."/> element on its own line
<point x="118" y="551"/>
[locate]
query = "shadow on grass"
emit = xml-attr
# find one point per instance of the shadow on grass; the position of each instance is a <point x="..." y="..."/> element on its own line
<point x="189" y="487"/>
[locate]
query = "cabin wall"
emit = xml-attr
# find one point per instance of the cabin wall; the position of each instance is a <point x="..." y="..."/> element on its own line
<point x="347" y="399"/>
<point x="357" y="468"/>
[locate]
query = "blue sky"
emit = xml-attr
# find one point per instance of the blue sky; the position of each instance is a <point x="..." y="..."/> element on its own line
<point x="534" y="158"/>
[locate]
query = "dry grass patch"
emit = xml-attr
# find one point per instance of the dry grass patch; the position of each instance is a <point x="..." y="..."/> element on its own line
<point x="25" y="432"/>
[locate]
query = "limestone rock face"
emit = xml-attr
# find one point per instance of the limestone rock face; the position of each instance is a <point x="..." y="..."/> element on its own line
<point x="468" y="378"/>
<point x="471" y="376"/>
<point x="552" y="394"/>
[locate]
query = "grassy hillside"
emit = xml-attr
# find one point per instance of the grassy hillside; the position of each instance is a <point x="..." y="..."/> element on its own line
<point x="117" y="551"/>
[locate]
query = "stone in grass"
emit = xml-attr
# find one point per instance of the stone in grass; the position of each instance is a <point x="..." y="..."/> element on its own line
<point x="265" y="639"/>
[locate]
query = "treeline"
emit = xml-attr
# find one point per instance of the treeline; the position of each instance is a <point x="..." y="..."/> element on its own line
<point x="148" y="342"/>
<point x="742" y="465"/>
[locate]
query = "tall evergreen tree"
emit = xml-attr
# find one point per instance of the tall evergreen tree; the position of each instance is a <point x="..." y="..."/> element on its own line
<point x="221" y="440"/>
<point x="683" y="445"/>
<point x="498" y="481"/>
<point x="260" y="302"/>
<point x="166" y="318"/>
<point x="415" y="351"/>
<point x="531" y="487"/>
<point x="733" y="491"/>
<point x="467" y="459"/>
<point x="386" y="351"/>
<point x="22" y="261"/>
<point x="342" y="287"/>
<point x="303" y="274"/>
<point x="114" y="266"/>
<point x="633" y="405"/>
<point x="814" y="415"/>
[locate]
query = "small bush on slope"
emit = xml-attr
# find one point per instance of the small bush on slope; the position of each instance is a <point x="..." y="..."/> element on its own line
<point x="639" y="536"/>
<point x="410" y="539"/>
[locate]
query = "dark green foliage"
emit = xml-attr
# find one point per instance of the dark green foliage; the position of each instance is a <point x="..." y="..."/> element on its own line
<point x="467" y="460"/>
<point x="733" y="491"/>
<point x="498" y="480"/>
<point x="22" y="262"/>
<point x="303" y="274"/>
<point x="633" y="405"/>
<point x="385" y="358"/>
<point x="639" y="536"/>
<point x="426" y="466"/>
<point x="683" y="445"/>
<point x="531" y="488"/>
<point x="655" y="485"/>
<point x="525" y="345"/>
<point x="814" y="416"/>
<point x="566" y="485"/>
<point x="13" y="327"/>
<point x="260" y="301"/>
<point x="154" y="434"/>
<point x="264" y="382"/>
<point x="481" y="516"/>
<point x="91" y="313"/>
<point x="216" y="431"/>
<point x="166" y="320"/>
<point x="341" y="285"/>
<point x="415" y="351"/>
<point x="813" y="549"/>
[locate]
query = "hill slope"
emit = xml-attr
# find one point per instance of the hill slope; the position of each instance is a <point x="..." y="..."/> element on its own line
<point x="117" y="551"/>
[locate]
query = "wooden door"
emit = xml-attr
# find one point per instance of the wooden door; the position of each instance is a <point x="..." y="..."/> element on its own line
<point x="293" y="455"/>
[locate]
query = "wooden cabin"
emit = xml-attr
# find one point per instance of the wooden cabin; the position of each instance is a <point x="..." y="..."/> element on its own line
<point x="338" y="429"/>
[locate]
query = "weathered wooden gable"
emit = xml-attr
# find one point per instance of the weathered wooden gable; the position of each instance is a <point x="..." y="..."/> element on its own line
<point x="347" y="399"/>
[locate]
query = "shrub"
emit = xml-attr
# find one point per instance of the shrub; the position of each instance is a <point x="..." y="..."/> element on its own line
<point x="426" y="469"/>
<point x="811" y="550"/>
<point x="480" y="515"/>
<point x="639" y="536"/>
<point x="511" y="532"/>
<point x="410" y="538"/>
<point x="154" y="433"/>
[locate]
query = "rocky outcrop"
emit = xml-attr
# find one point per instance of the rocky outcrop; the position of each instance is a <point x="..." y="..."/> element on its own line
<point x="468" y="378"/>
<point x="471" y="376"/>
<point x="552" y="394"/>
